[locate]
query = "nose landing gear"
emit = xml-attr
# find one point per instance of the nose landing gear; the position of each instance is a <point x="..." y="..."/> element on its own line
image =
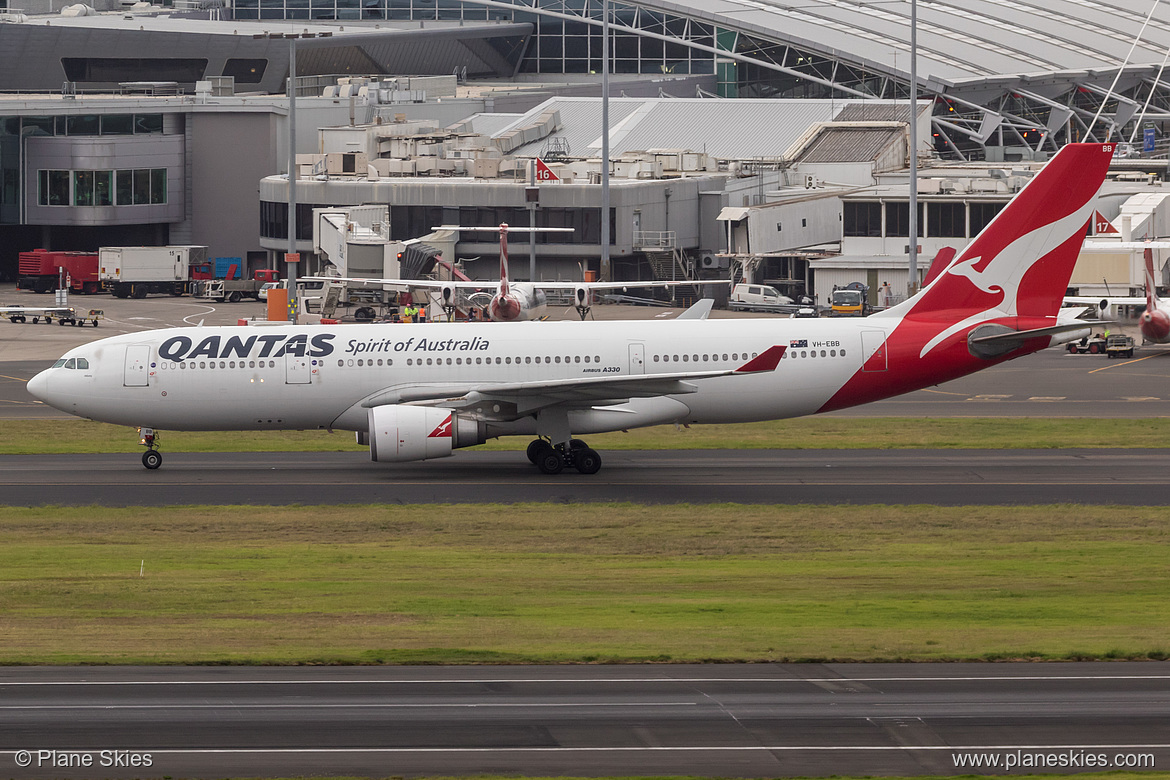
<point x="553" y="459"/>
<point x="152" y="458"/>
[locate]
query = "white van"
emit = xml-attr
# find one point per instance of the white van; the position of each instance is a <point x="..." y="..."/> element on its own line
<point x="759" y="297"/>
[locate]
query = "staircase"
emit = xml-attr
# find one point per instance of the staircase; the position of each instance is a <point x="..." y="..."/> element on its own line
<point x="669" y="263"/>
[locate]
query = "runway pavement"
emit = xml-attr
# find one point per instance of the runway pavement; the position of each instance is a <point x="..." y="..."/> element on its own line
<point x="729" y="720"/>
<point x="946" y="477"/>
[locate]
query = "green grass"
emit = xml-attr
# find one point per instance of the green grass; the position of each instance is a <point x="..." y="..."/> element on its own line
<point x="598" y="583"/>
<point x="30" y="437"/>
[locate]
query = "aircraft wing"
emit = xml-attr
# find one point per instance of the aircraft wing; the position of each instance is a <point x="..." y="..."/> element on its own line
<point x="402" y="285"/>
<point x="1106" y="299"/>
<point x="620" y="285"/>
<point x="510" y="400"/>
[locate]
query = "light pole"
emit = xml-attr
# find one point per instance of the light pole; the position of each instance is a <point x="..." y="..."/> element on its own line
<point x="912" y="285"/>
<point x="291" y="258"/>
<point x="605" y="272"/>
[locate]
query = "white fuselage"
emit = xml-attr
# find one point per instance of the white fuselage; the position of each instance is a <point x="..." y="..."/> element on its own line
<point x="303" y="377"/>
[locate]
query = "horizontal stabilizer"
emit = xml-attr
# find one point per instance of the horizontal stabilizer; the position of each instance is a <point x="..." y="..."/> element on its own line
<point x="989" y="341"/>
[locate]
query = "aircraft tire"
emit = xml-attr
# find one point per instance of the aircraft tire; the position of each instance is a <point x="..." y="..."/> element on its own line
<point x="577" y="444"/>
<point x="536" y="449"/>
<point x="152" y="459"/>
<point x="587" y="461"/>
<point x="550" y="462"/>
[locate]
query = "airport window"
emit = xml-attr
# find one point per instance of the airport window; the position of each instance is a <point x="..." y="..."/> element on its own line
<point x="247" y="71"/>
<point x="83" y="124"/>
<point x="83" y="188"/>
<point x="117" y="124"/>
<point x="158" y="185"/>
<point x="148" y="123"/>
<point x="141" y="187"/>
<point x="54" y="188"/>
<point x="946" y="220"/>
<point x="982" y="214"/>
<point x="125" y="188"/>
<point x="898" y="219"/>
<point x="118" y="69"/>
<point x="862" y="218"/>
<point x="103" y="188"/>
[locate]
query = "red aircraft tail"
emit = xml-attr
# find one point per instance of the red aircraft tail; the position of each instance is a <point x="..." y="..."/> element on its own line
<point x="1020" y="264"/>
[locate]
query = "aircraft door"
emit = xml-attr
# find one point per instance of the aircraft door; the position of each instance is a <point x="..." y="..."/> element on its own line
<point x="297" y="370"/>
<point x="873" y="344"/>
<point x="637" y="358"/>
<point x="137" y="365"/>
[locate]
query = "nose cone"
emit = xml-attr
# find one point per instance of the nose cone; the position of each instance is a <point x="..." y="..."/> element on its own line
<point x="38" y="386"/>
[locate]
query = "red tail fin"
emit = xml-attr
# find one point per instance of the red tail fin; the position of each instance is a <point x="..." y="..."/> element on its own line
<point x="503" y="259"/>
<point x="939" y="264"/>
<point x="1151" y="286"/>
<point x="1022" y="261"/>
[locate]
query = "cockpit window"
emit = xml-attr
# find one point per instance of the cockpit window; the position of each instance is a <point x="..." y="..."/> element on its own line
<point x="71" y="363"/>
<point x="59" y="363"/>
<point x="82" y="363"/>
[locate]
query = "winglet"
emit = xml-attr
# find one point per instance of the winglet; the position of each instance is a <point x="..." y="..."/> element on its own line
<point x="765" y="361"/>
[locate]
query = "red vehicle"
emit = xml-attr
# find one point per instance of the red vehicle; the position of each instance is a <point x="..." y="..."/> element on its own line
<point x="40" y="271"/>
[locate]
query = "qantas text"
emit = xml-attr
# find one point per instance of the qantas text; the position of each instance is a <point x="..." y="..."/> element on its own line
<point x="276" y="345"/>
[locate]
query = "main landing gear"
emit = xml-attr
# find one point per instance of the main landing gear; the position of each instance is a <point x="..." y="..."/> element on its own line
<point x="552" y="459"/>
<point x="152" y="458"/>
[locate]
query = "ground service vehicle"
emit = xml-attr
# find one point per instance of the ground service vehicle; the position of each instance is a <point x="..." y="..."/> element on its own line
<point x="852" y="300"/>
<point x="416" y="392"/>
<point x="64" y="315"/>
<point x="1119" y="346"/>
<point x="40" y="271"/>
<point x="1092" y="345"/>
<point x="137" y="271"/>
<point x="759" y="297"/>
<point x="235" y="290"/>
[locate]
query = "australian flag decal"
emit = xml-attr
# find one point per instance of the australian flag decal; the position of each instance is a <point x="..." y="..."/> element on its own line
<point x="798" y="344"/>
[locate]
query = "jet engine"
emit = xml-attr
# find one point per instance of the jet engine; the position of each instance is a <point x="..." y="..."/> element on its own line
<point x="1155" y="325"/>
<point x="402" y="433"/>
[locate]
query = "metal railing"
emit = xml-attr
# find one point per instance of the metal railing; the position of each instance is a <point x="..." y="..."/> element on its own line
<point x="654" y="239"/>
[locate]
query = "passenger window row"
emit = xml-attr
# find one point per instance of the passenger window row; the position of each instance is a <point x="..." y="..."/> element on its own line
<point x="205" y="364"/>
<point x="734" y="357"/>
<point x="811" y="353"/>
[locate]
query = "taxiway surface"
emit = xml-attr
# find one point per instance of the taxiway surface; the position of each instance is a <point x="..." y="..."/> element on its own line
<point x="945" y="477"/>
<point x="727" y="720"/>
